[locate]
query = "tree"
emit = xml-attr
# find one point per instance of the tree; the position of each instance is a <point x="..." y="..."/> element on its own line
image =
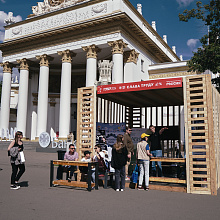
<point x="207" y="57"/>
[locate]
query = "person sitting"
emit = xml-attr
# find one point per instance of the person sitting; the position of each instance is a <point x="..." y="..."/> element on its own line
<point x="71" y="155"/>
<point x="100" y="158"/>
<point x="84" y="170"/>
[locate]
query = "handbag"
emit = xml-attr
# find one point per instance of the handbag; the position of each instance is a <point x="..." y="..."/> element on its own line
<point x="135" y="174"/>
<point x="102" y="165"/>
<point x="22" y="157"/>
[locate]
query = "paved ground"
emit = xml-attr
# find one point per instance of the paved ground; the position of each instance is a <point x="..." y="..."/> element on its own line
<point x="36" y="200"/>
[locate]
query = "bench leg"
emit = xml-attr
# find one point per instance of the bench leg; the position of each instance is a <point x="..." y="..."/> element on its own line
<point x="106" y="180"/>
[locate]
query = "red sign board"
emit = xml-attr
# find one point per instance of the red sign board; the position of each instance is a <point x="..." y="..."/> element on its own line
<point x="138" y="86"/>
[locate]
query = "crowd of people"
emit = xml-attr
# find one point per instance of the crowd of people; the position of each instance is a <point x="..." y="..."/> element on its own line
<point x="110" y="159"/>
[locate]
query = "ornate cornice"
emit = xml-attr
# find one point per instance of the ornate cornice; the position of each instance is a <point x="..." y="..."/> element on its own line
<point x="117" y="46"/>
<point x="166" y="75"/>
<point x="119" y="23"/>
<point x="24" y="64"/>
<point x="7" y="67"/>
<point x="91" y="50"/>
<point x="44" y="59"/>
<point x="66" y="56"/>
<point x="131" y="56"/>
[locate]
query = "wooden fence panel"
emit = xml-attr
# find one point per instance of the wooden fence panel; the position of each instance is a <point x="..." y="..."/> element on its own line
<point x="86" y="120"/>
<point x="200" y="151"/>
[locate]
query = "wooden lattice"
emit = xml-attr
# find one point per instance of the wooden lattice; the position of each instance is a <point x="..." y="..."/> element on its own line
<point x="86" y="120"/>
<point x="200" y="150"/>
<point x="216" y="119"/>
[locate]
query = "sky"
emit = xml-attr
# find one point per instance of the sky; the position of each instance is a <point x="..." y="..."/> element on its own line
<point x="184" y="35"/>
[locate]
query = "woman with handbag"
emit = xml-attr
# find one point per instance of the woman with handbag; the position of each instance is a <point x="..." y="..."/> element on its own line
<point x="119" y="160"/>
<point x="15" y="150"/>
<point x="143" y="157"/>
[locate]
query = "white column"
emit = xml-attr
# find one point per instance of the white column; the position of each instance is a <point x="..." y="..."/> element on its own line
<point x="91" y="64"/>
<point x="6" y="93"/>
<point x="51" y="118"/>
<point x="43" y="94"/>
<point x="34" y="121"/>
<point x="130" y="69"/>
<point x="23" y="96"/>
<point x="117" y="58"/>
<point x="65" y="93"/>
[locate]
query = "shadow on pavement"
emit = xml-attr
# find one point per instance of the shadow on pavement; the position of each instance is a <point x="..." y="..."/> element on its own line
<point x="24" y="184"/>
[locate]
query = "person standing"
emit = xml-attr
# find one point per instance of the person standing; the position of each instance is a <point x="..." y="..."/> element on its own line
<point x="119" y="159"/>
<point x="130" y="147"/>
<point x="143" y="157"/>
<point x="14" y="149"/>
<point x="155" y="148"/>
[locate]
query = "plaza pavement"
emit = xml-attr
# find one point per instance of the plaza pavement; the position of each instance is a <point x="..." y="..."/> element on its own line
<point x="36" y="200"/>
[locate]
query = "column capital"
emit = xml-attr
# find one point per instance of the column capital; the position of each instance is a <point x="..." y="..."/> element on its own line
<point x="44" y="59"/>
<point x="131" y="56"/>
<point x="117" y="46"/>
<point x="24" y="64"/>
<point x="91" y="50"/>
<point x="66" y="56"/>
<point x="7" y="67"/>
<point x="52" y="102"/>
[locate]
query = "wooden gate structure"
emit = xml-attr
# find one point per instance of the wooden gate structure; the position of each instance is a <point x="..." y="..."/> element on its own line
<point x="202" y="125"/>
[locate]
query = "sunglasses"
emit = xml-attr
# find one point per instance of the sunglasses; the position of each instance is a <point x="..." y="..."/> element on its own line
<point x="129" y="130"/>
<point x="72" y="148"/>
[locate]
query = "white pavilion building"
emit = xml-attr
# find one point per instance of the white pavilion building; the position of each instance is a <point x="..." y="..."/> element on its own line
<point x="57" y="49"/>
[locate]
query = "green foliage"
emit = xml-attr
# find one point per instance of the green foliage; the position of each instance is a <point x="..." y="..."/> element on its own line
<point x="216" y="81"/>
<point x="207" y="57"/>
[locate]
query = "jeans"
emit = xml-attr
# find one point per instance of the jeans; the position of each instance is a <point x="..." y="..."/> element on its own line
<point x="120" y="173"/>
<point x="156" y="153"/>
<point x="15" y="176"/>
<point x="144" y="172"/>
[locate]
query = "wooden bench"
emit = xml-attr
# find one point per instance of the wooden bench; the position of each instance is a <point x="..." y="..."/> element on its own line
<point x="87" y="184"/>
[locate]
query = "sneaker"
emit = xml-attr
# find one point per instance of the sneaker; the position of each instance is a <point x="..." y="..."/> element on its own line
<point x="127" y="178"/>
<point x="15" y="187"/>
<point x="147" y="188"/>
<point x="117" y="190"/>
<point x="122" y="190"/>
<point x="140" y="188"/>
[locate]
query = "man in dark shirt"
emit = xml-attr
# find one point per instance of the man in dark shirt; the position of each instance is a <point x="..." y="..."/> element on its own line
<point x="155" y="148"/>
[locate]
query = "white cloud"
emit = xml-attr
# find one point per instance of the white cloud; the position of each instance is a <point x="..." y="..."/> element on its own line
<point x="192" y="43"/>
<point x="184" y="3"/>
<point x="3" y="1"/>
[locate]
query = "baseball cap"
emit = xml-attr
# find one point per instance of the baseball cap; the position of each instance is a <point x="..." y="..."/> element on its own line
<point x="144" y="135"/>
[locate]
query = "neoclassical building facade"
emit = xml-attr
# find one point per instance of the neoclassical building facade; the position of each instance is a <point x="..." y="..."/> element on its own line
<point x="57" y="50"/>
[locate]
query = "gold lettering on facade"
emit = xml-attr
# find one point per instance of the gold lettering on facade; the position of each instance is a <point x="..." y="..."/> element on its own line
<point x="92" y="51"/>
<point x="166" y="75"/>
<point x="117" y="46"/>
